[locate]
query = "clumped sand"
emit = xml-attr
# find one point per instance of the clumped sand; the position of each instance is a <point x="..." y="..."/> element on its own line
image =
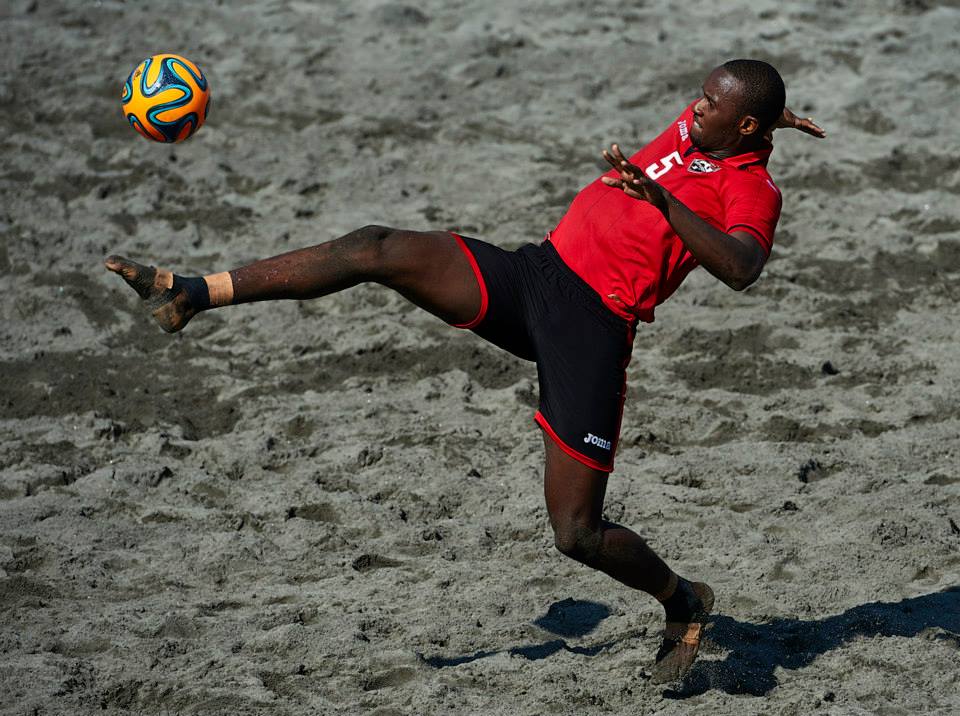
<point x="335" y="506"/>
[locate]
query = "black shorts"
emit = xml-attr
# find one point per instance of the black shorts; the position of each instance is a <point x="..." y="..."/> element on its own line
<point x="536" y="307"/>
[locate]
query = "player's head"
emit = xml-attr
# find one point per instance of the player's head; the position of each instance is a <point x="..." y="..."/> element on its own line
<point x="741" y="101"/>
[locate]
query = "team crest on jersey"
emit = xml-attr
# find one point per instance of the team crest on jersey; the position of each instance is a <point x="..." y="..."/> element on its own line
<point x="702" y="166"/>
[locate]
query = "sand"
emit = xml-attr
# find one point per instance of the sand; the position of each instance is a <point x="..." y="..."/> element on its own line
<point x="335" y="506"/>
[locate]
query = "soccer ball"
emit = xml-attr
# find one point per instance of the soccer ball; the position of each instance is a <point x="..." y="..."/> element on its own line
<point x="166" y="98"/>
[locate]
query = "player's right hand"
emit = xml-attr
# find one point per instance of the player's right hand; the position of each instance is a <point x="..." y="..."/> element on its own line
<point x="615" y="157"/>
<point x="633" y="182"/>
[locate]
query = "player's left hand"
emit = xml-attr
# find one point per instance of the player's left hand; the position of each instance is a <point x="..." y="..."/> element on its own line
<point x="632" y="181"/>
<point x="788" y="120"/>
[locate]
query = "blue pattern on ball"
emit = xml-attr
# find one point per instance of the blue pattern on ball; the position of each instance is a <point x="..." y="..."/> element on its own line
<point x="167" y="78"/>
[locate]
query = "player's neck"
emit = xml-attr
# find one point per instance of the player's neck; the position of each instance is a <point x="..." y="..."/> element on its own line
<point x="741" y="147"/>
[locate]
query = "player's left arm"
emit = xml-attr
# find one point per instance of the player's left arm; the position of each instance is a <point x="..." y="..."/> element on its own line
<point x="788" y="120"/>
<point x="736" y="258"/>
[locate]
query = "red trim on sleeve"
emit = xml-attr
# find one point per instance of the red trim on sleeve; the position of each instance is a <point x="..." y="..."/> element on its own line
<point x="589" y="462"/>
<point x="484" y="296"/>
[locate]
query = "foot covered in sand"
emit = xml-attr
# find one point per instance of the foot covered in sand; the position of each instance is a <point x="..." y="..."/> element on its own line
<point x="172" y="300"/>
<point x="681" y="640"/>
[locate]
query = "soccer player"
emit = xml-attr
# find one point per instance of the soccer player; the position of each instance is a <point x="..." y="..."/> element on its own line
<point x="698" y="194"/>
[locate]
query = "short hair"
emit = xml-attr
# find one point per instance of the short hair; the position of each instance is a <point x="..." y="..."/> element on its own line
<point x="764" y="95"/>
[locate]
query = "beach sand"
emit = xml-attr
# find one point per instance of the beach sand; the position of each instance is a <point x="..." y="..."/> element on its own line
<point x="336" y="506"/>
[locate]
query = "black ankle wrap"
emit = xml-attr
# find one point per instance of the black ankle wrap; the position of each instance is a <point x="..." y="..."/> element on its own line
<point x="196" y="289"/>
<point x="682" y="604"/>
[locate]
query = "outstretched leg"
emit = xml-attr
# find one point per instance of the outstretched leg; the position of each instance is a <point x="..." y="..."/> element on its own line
<point x="428" y="268"/>
<point x="574" y="495"/>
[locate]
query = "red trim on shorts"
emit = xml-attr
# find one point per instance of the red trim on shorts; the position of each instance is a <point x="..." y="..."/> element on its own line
<point x="588" y="461"/>
<point x="484" y="297"/>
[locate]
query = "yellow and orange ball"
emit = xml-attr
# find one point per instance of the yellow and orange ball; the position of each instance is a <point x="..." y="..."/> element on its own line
<point x="166" y="98"/>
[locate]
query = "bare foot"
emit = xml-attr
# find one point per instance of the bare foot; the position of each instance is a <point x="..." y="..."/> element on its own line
<point x="169" y="304"/>
<point x="681" y="640"/>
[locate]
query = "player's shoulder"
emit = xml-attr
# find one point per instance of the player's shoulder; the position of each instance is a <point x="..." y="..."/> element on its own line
<point x="767" y="182"/>
<point x="754" y="177"/>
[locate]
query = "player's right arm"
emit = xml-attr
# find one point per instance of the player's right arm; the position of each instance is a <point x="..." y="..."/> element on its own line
<point x="736" y="258"/>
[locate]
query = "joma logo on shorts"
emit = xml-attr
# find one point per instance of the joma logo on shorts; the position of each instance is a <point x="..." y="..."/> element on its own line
<point x="599" y="442"/>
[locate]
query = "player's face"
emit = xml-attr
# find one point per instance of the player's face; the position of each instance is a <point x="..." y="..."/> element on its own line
<point x="716" y="116"/>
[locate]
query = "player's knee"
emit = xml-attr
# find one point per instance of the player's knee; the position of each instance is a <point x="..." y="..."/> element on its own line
<point x="577" y="541"/>
<point x="372" y="248"/>
<point x="373" y="233"/>
<point x="367" y="243"/>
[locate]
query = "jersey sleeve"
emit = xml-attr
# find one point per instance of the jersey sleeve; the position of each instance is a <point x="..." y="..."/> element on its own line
<point x="753" y="205"/>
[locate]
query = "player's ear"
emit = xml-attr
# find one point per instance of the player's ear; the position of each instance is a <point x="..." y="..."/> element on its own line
<point x="748" y="125"/>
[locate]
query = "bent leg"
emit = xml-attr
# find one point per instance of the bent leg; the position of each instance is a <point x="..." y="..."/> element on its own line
<point x="428" y="268"/>
<point x="574" y="494"/>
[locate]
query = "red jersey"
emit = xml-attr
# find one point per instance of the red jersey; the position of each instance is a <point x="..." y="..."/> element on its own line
<point x="625" y="246"/>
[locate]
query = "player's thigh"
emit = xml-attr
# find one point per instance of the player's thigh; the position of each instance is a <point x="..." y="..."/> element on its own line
<point x="581" y="367"/>
<point x="431" y="269"/>
<point x="573" y="491"/>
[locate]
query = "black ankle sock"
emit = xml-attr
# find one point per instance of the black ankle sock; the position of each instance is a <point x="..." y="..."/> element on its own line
<point x="682" y="604"/>
<point x="196" y="289"/>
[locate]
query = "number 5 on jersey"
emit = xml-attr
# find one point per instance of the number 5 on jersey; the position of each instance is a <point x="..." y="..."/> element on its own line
<point x="658" y="169"/>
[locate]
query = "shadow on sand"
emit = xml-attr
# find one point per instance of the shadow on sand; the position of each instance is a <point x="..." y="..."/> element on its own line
<point x="567" y="618"/>
<point x="755" y="651"/>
